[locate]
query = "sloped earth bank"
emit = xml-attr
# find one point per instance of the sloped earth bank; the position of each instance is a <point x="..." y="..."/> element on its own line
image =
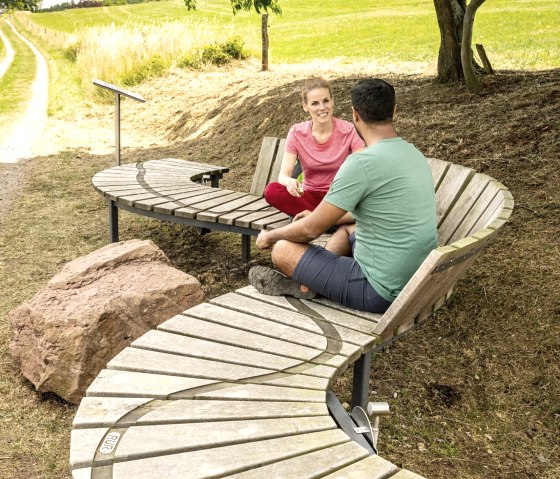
<point x="475" y="391"/>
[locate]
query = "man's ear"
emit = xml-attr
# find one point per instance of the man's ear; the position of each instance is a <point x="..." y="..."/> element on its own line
<point x="355" y="115"/>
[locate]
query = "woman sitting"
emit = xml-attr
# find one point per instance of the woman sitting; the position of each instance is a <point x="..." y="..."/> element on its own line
<point x="321" y="144"/>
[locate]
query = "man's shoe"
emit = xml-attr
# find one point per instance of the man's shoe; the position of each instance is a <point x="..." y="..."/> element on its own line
<point x="272" y="282"/>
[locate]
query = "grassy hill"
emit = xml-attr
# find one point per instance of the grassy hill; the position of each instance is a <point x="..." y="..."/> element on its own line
<point x="516" y="34"/>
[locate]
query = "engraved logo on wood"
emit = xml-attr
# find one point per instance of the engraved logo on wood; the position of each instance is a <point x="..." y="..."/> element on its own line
<point x="110" y="443"/>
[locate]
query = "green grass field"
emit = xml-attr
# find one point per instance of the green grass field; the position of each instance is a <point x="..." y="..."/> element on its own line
<point x="516" y="34"/>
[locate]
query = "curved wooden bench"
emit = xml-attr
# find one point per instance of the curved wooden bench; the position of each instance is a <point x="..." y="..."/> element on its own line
<point x="239" y="386"/>
<point x="184" y="192"/>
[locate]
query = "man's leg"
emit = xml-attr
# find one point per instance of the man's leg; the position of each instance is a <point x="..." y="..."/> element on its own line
<point x="339" y="242"/>
<point x="285" y="256"/>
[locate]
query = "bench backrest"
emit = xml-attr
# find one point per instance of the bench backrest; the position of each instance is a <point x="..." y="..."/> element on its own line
<point x="268" y="164"/>
<point x="471" y="208"/>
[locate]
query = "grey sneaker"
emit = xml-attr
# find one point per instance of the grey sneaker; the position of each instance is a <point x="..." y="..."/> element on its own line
<point x="272" y="282"/>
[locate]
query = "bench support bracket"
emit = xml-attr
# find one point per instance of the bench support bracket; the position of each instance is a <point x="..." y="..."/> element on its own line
<point x="346" y="423"/>
<point x="360" y="381"/>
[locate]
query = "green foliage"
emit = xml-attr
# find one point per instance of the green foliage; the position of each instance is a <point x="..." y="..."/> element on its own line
<point x="258" y="5"/>
<point x="217" y="54"/>
<point x="214" y="54"/>
<point x="71" y="51"/>
<point x="240" y="5"/>
<point x="234" y="48"/>
<point x="153" y="67"/>
<point x="31" y="5"/>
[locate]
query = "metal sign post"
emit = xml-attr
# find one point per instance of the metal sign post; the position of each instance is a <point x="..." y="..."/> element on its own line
<point x="118" y="92"/>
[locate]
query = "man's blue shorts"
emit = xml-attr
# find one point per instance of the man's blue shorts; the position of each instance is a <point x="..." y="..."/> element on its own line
<point x="338" y="278"/>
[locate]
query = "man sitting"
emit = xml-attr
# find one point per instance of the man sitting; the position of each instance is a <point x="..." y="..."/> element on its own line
<point x="383" y="199"/>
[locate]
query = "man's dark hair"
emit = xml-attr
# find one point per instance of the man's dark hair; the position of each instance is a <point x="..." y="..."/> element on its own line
<point x="374" y="100"/>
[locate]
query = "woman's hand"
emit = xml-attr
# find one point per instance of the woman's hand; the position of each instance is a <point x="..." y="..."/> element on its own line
<point x="301" y="215"/>
<point x="294" y="187"/>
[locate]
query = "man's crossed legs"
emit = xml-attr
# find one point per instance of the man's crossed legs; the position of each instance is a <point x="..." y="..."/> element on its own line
<point x="330" y="271"/>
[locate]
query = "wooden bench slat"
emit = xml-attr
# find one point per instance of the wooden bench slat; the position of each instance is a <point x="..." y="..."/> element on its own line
<point x="95" y="412"/>
<point x="113" y="383"/>
<point x="214" y="212"/>
<point x="452" y="185"/>
<point x="98" y="412"/>
<point x="342" y="316"/>
<point x="462" y="207"/>
<point x="309" y="466"/>
<point x="300" y="381"/>
<point x="275" y="170"/>
<point x="143" y="360"/>
<point x="438" y="168"/>
<point x="260" y="205"/>
<point x="266" y="311"/>
<point x="83" y="445"/>
<point x="267" y="157"/>
<point x="501" y="207"/>
<point x="290" y="343"/>
<point x="262" y="392"/>
<point x="277" y="224"/>
<point x="211" y="199"/>
<point x="371" y="467"/>
<point x="475" y="212"/>
<point x="157" y="440"/>
<point x="248" y="220"/>
<point x="263" y="223"/>
<point x="251" y="306"/>
<point x="158" y="340"/>
<point x="222" y="461"/>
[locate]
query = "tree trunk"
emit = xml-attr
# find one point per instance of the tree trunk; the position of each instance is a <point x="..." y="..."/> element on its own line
<point x="450" y="15"/>
<point x="264" y="25"/>
<point x="471" y="79"/>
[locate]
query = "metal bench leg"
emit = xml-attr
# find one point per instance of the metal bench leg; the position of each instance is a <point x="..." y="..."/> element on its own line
<point x="245" y="248"/>
<point x="360" y="381"/>
<point x="113" y="222"/>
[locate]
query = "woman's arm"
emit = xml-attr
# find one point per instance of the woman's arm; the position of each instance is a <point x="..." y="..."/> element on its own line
<point x="285" y="175"/>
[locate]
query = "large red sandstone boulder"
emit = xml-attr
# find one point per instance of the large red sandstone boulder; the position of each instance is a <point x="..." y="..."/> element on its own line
<point x="96" y="306"/>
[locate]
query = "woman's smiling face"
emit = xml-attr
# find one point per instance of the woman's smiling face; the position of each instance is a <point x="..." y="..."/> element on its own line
<point x="319" y="105"/>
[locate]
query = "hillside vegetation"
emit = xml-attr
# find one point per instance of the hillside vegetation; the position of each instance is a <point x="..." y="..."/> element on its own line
<point x="150" y="38"/>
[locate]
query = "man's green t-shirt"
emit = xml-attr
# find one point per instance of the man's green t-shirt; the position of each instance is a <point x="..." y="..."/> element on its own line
<point x="389" y="191"/>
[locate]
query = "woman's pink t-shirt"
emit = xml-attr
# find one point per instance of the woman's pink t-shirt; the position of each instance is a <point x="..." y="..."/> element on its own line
<point x="320" y="162"/>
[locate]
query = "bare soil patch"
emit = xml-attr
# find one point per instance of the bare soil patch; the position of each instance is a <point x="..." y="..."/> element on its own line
<point x="474" y="391"/>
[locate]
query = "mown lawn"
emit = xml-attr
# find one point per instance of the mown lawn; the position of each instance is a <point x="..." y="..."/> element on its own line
<point x="516" y="34"/>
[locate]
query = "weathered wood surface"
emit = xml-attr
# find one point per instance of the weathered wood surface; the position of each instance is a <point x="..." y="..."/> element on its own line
<point x="173" y="189"/>
<point x="236" y="387"/>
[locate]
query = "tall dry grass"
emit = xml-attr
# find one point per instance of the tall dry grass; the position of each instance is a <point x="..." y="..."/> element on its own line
<point x="130" y="53"/>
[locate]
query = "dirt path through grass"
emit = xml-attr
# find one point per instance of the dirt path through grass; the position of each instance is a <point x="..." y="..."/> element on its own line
<point x="19" y="140"/>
